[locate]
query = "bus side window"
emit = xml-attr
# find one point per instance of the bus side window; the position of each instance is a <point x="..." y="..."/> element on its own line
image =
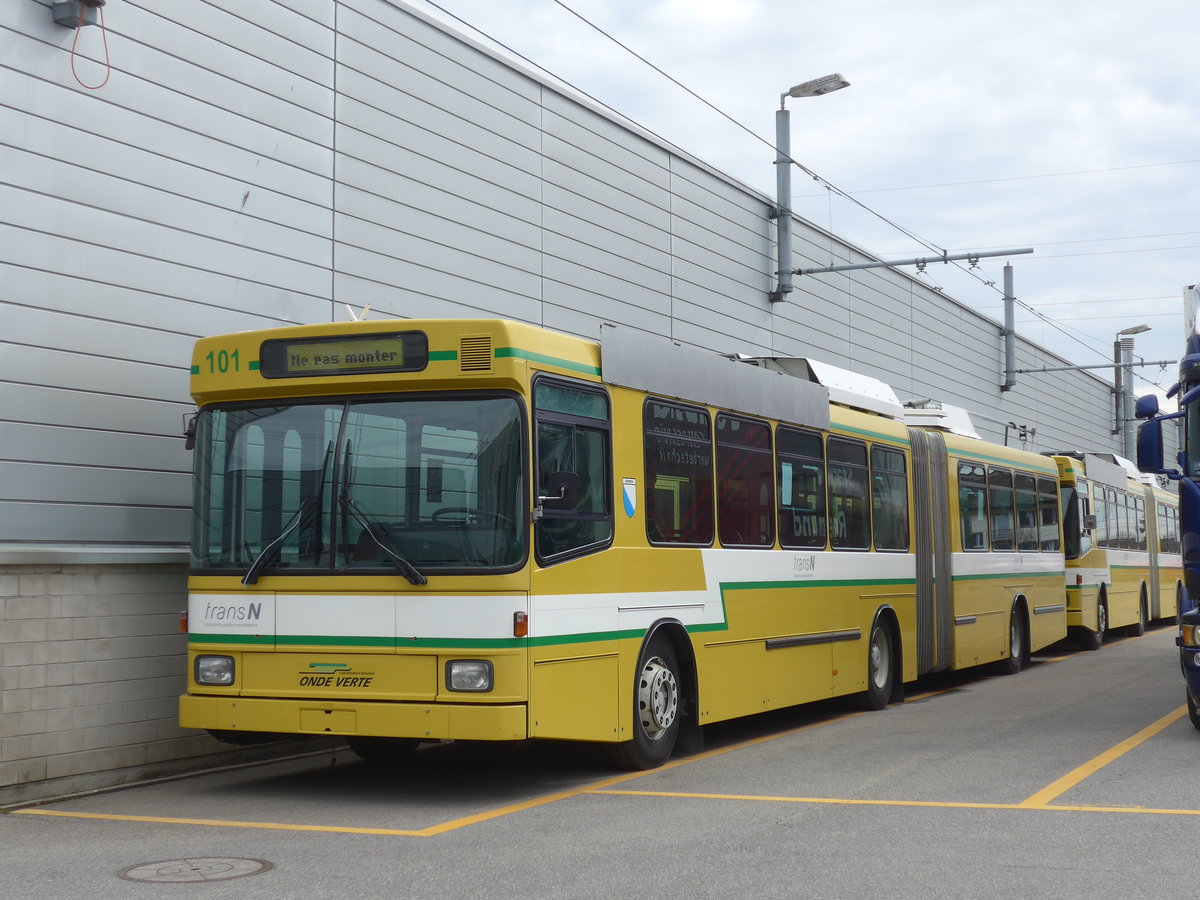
<point x="889" y="499"/>
<point x="1140" y="522"/>
<point x="972" y="506"/>
<point x="1025" y="494"/>
<point x="1048" y="515"/>
<point x="849" y="495"/>
<point x="573" y="447"/>
<point x="800" y="477"/>
<point x="1088" y="536"/>
<point x="679" y="474"/>
<point x="745" y="486"/>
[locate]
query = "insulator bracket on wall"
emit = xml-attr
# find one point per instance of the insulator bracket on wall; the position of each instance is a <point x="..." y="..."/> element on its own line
<point x="67" y="13"/>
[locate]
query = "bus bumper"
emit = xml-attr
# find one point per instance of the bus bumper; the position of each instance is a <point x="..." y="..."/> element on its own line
<point x="425" y="722"/>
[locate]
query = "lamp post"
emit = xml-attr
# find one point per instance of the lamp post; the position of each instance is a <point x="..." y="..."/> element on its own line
<point x="1123" y="387"/>
<point x="783" y="174"/>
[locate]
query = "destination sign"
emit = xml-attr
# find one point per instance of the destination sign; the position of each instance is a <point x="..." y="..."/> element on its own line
<point x="359" y="355"/>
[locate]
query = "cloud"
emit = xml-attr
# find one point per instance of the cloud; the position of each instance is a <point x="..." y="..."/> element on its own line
<point x="941" y="93"/>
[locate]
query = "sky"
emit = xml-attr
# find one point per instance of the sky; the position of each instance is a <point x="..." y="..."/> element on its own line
<point x="1071" y="127"/>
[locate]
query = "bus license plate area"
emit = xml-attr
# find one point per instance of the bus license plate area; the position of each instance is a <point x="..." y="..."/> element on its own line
<point x="327" y="721"/>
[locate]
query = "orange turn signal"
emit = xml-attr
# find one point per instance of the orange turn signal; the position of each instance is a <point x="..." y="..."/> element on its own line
<point x="520" y="624"/>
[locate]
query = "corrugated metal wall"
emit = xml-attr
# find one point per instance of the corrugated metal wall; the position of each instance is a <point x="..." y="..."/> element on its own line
<point x="235" y="172"/>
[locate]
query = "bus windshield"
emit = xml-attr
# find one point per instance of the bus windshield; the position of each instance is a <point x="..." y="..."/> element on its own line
<point x="365" y="485"/>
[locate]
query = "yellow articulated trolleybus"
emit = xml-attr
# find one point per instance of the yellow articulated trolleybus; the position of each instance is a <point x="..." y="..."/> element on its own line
<point x="411" y="531"/>
<point x="1121" y="540"/>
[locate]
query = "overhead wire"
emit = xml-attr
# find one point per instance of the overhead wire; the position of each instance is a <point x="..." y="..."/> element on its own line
<point x="824" y="182"/>
<point x="919" y="187"/>
<point x="828" y="185"/>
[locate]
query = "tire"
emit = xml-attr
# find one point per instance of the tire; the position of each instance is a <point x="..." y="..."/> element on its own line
<point x="1016" y="642"/>
<point x="381" y="751"/>
<point x="1193" y="712"/>
<point x="880" y="668"/>
<point x="1139" y="627"/>
<point x="657" y="708"/>
<point x="1092" y="640"/>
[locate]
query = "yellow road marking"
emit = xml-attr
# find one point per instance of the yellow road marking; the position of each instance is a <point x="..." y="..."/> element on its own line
<point x="1038" y="801"/>
<point x="844" y="801"/>
<point x="442" y="828"/>
<point x="167" y="820"/>
<point x="1072" y="778"/>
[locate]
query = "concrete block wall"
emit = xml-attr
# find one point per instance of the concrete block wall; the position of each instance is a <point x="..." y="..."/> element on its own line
<point x="91" y="666"/>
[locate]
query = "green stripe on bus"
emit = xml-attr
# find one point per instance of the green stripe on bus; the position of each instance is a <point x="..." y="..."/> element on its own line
<point x="839" y="582"/>
<point x="268" y="642"/>
<point x="443" y="355"/>
<point x="518" y="353"/>
<point x="992" y="576"/>
<point x="874" y="435"/>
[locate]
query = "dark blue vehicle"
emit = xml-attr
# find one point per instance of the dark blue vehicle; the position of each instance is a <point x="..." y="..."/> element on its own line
<point x="1150" y="459"/>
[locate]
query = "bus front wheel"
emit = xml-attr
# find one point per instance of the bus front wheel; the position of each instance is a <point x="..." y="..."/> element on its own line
<point x="1092" y="640"/>
<point x="656" y="708"/>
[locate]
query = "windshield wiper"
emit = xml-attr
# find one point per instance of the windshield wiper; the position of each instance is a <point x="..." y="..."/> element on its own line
<point x="251" y="576"/>
<point x="407" y="569"/>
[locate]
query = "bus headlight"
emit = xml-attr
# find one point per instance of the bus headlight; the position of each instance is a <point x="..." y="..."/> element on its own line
<point x="474" y="675"/>
<point x="214" y="670"/>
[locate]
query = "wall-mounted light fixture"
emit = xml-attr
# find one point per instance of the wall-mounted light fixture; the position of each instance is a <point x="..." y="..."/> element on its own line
<point x="783" y="176"/>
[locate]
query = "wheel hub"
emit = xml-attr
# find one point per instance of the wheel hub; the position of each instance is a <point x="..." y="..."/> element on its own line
<point x="880" y="663"/>
<point x="658" y="698"/>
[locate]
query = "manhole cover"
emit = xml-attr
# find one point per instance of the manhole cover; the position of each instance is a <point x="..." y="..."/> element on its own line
<point x="206" y="868"/>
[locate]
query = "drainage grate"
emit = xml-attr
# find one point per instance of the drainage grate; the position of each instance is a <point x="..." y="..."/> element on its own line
<point x="207" y="868"/>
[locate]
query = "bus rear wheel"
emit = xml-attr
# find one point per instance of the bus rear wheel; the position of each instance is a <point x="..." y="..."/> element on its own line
<point x="657" y="711"/>
<point x="880" y="671"/>
<point x="1138" y="628"/>
<point x="1016" y="641"/>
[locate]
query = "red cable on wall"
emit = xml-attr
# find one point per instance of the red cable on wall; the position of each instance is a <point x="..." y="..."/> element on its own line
<point x="83" y="5"/>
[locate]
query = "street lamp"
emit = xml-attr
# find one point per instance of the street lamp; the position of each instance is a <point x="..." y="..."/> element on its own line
<point x="1123" y="387"/>
<point x="783" y="174"/>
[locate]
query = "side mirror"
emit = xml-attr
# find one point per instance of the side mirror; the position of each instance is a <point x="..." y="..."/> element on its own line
<point x="1150" y="449"/>
<point x="1146" y="407"/>
<point x="562" y="491"/>
<point x="189" y="430"/>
